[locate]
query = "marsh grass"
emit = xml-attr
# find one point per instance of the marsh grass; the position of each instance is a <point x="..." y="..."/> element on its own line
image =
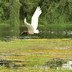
<point x="35" y="52"/>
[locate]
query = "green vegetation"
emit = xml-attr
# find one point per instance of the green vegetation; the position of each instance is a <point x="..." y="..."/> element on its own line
<point x="54" y="63"/>
<point x="35" y="53"/>
<point x="30" y="69"/>
<point x="55" y="20"/>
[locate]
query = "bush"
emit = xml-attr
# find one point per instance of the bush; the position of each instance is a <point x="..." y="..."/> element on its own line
<point x="53" y="63"/>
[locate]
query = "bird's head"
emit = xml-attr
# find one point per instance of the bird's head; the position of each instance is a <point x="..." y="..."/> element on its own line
<point x="24" y="33"/>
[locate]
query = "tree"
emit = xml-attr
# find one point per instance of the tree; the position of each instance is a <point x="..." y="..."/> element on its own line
<point x="14" y="16"/>
<point x="56" y="15"/>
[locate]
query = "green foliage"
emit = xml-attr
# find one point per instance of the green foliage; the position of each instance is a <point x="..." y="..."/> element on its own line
<point x="56" y="16"/>
<point x="4" y="9"/>
<point x="57" y="11"/>
<point x="9" y="13"/>
<point x="14" y="16"/>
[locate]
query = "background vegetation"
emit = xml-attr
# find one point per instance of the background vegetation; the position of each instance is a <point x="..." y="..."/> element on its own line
<point x="55" y="20"/>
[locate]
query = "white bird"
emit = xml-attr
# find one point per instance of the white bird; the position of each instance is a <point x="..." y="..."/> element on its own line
<point x="32" y="28"/>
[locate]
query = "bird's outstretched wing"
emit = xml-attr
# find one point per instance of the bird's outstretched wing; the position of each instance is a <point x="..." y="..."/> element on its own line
<point x="32" y="28"/>
<point x="29" y="26"/>
<point x="34" y="21"/>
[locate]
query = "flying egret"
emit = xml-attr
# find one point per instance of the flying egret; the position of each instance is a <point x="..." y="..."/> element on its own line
<point x="32" y="28"/>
